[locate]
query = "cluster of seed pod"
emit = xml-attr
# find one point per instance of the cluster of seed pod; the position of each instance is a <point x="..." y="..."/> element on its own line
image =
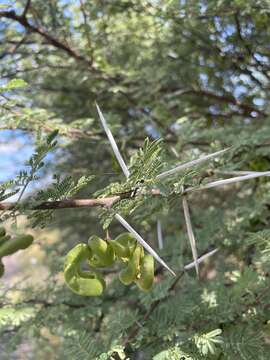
<point x="99" y="253"/>
<point x="9" y="246"/>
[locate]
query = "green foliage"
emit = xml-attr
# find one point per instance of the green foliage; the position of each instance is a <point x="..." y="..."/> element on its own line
<point x="9" y="316"/>
<point x="146" y="163"/>
<point x="13" y="84"/>
<point x="83" y="347"/>
<point x="44" y="145"/>
<point x="59" y="190"/>
<point x="206" y="343"/>
<point x="4" y="190"/>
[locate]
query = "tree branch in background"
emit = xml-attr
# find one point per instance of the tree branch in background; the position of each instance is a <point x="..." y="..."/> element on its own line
<point x="22" y="19"/>
<point x="227" y="99"/>
<point x="27" y="6"/>
<point x="248" y="48"/>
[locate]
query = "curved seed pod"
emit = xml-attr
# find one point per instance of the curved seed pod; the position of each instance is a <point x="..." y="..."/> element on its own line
<point x="90" y="275"/>
<point x="146" y="276"/>
<point x="124" y="245"/>
<point x="120" y="250"/>
<point x="95" y="262"/>
<point x="74" y="258"/>
<point x="89" y="285"/>
<point x="109" y="257"/>
<point x="103" y="261"/>
<point x="2" y="231"/>
<point x="129" y="274"/>
<point x="2" y="269"/>
<point x="103" y="252"/>
<point x="13" y="245"/>
<point x="97" y="245"/>
<point x="3" y="239"/>
<point x="100" y="278"/>
<point x="81" y="282"/>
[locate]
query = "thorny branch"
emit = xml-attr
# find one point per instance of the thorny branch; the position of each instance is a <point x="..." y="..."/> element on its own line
<point x="65" y="204"/>
<point x="74" y="203"/>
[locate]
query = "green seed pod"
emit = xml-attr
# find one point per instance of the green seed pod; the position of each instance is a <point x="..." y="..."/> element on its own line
<point x="2" y="231"/>
<point x="89" y="285"/>
<point x="13" y="245"/>
<point x="3" y="239"/>
<point x="103" y="252"/>
<point x="90" y="275"/>
<point x="81" y="282"/>
<point x="74" y="258"/>
<point x="2" y="269"/>
<point x="97" y="245"/>
<point x="120" y="250"/>
<point x="146" y="276"/>
<point x="124" y="245"/>
<point x="129" y="274"/>
<point x="103" y="261"/>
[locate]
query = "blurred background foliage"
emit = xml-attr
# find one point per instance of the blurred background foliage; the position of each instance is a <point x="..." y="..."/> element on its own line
<point x="194" y="73"/>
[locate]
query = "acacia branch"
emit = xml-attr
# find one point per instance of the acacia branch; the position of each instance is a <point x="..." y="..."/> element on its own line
<point x="74" y="203"/>
<point x="64" y="204"/>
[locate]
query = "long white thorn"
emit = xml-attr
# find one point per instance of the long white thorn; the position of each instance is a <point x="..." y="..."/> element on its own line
<point x="238" y="173"/>
<point x="200" y="259"/>
<point x="229" y="181"/>
<point x="233" y="172"/>
<point x="190" y="164"/>
<point x="159" y="235"/>
<point x="142" y="242"/>
<point x="191" y="236"/>
<point x="113" y="143"/>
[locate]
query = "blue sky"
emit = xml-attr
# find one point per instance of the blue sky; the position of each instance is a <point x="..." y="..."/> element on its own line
<point x="15" y="148"/>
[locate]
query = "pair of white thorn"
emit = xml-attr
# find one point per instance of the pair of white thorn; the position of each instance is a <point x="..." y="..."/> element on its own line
<point x="245" y="175"/>
<point x="127" y="173"/>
